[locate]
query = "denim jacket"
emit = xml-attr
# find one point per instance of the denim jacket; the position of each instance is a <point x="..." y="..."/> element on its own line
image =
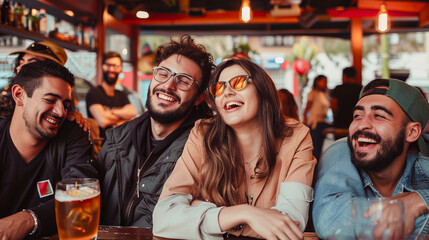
<point x="339" y="181"/>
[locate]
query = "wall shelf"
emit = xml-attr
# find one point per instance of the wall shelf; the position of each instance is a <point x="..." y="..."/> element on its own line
<point x="22" y="33"/>
<point x="86" y="19"/>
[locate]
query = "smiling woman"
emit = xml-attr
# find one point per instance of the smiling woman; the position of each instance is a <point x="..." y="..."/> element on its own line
<point x="238" y="105"/>
<point x="253" y="165"/>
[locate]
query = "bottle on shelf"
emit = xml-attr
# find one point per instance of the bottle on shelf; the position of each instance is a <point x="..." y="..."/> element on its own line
<point x="33" y="21"/>
<point x="11" y="11"/>
<point x="6" y="12"/>
<point x="25" y="14"/>
<point x="79" y="34"/>
<point x="18" y="16"/>
<point x="91" y="38"/>
<point x="28" y="19"/>
<point x="43" y="22"/>
<point x="50" y="23"/>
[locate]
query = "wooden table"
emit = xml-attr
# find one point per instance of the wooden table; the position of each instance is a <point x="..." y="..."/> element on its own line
<point x="134" y="233"/>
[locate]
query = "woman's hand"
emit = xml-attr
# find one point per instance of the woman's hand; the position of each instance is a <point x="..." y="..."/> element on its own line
<point x="79" y="119"/>
<point x="267" y="223"/>
<point x="271" y="224"/>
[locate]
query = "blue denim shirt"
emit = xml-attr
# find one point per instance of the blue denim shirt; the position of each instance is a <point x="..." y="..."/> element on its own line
<point x="339" y="181"/>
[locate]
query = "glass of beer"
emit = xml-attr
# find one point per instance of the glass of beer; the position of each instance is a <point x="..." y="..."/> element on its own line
<point x="77" y="208"/>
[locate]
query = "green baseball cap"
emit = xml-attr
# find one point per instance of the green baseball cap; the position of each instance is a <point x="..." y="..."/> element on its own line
<point x="409" y="99"/>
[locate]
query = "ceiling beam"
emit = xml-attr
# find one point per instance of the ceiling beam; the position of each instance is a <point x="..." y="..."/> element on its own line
<point x="368" y="13"/>
<point x="400" y="6"/>
<point x="77" y="6"/>
<point x="210" y="18"/>
<point x="424" y="17"/>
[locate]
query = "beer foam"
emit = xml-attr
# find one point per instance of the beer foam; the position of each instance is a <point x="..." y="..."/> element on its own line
<point x="75" y="195"/>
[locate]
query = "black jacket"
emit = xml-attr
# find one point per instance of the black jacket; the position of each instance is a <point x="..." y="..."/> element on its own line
<point x="67" y="155"/>
<point x="118" y="163"/>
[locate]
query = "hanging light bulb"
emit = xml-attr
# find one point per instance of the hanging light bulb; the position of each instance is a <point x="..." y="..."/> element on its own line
<point x="382" y="22"/>
<point x="246" y="13"/>
<point x="142" y="14"/>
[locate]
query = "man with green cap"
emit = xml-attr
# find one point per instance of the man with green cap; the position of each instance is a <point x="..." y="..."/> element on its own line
<point x="375" y="162"/>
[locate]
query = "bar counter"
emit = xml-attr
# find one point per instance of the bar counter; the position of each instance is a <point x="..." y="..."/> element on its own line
<point x="130" y="233"/>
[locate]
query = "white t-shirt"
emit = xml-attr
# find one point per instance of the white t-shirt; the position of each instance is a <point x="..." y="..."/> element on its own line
<point x="318" y="109"/>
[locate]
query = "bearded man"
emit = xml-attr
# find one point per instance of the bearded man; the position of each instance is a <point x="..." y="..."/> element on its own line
<point x="374" y="162"/>
<point x="139" y="155"/>
<point x="108" y="106"/>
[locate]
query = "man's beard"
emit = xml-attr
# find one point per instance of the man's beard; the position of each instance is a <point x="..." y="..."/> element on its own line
<point x="35" y="130"/>
<point x="110" y="81"/>
<point x="390" y="150"/>
<point x="168" y="117"/>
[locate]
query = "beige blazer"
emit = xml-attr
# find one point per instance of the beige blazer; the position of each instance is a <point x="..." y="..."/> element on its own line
<point x="288" y="188"/>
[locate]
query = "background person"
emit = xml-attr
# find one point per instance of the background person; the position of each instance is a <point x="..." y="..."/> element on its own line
<point x="108" y="106"/>
<point x="288" y="104"/>
<point x="133" y="97"/>
<point x="38" y="148"/>
<point x="139" y="155"/>
<point x="248" y="171"/>
<point x="373" y="162"/>
<point x="315" y="113"/>
<point x="344" y="97"/>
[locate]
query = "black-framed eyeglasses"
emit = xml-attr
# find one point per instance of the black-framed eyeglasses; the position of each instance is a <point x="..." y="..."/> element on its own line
<point x="40" y="48"/>
<point x="181" y="81"/>
<point x="115" y="66"/>
<point x="237" y="83"/>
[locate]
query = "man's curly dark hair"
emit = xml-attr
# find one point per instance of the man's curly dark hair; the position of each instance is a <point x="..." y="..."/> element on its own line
<point x="186" y="46"/>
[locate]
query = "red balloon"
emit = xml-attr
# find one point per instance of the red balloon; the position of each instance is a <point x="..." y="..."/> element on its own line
<point x="301" y="66"/>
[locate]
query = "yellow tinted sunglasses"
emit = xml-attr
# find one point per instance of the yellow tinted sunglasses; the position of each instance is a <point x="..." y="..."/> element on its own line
<point x="237" y="83"/>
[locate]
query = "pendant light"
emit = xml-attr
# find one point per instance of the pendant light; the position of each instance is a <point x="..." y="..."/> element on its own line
<point x="246" y="13"/>
<point x="382" y="22"/>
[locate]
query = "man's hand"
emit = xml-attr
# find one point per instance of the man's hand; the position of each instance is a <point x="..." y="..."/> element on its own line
<point x="16" y="226"/>
<point x="414" y="206"/>
<point x="390" y="224"/>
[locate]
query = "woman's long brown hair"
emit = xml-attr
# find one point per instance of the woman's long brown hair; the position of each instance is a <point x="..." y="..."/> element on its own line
<point x="223" y="172"/>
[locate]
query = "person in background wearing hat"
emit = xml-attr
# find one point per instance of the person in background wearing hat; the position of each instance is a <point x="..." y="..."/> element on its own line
<point x="373" y="162"/>
<point x="110" y="107"/>
<point x="38" y="148"/>
<point x="40" y="51"/>
<point x="37" y="51"/>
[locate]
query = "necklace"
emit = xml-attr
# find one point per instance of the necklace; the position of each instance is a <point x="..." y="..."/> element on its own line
<point x="248" y="163"/>
<point x="249" y="191"/>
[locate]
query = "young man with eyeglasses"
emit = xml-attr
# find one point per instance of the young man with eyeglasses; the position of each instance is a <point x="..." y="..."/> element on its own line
<point x="108" y="106"/>
<point x="138" y="156"/>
